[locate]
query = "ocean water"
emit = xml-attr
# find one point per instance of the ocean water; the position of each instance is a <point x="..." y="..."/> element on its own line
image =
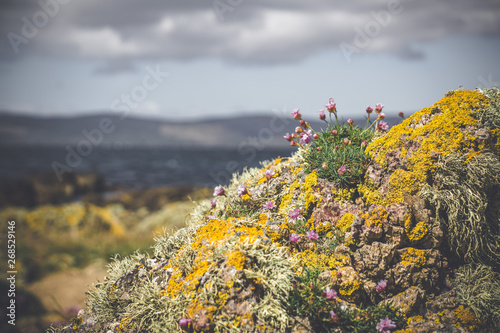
<point x="138" y="167"/>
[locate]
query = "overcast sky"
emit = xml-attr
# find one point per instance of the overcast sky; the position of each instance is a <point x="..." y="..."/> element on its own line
<point x="192" y="59"/>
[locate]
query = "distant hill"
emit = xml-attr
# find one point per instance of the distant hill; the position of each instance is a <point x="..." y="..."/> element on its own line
<point x="263" y="130"/>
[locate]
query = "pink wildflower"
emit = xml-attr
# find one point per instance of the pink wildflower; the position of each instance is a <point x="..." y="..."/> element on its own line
<point x="379" y="107"/>
<point x="324" y="166"/>
<point x="288" y="137"/>
<point x="294" y="214"/>
<point x="315" y="136"/>
<point x="385" y="325"/>
<point x="383" y="126"/>
<point x="183" y="322"/>
<point x="294" y="238"/>
<point x="330" y="293"/>
<point x="364" y="143"/>
<point x="322" y="115"/>
<point x="381" y="116"/>
<point x="269" y="174"/>
<point x="242" y="189"/>
<point x="342" y="170"/>
<point x="333" y="316"/>
<point x="312" y="235"/>
<point x="293" y="143"/>
<point x="346" y="141"/>
<point x="213" y="203"/>
<point x="350" y="122"/>
<point x="402" y="115"/>
<point x="296" y="114"/>
<point x="218" y="191"/>
<point x="269" y="205"/>
<point x="335" y="132"/>
<point x="298" y="129"/>
<point x="331" y="106"/>
<point x="381" y="285"/>
<point x="369" y="109"/>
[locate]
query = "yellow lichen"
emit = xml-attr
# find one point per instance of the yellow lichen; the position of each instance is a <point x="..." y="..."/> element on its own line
<point x="345" y="222"/>
<point x="236" y="259"/>
<point x="415" y="232"/>
<point x="348" y="287"/>
<point x="376" y="218"/>
<point x="466" y="318"/>
<point x="412" y="256"/>
<point x="443" y="135"/>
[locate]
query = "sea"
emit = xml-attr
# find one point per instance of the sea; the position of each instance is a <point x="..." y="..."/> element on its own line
<point x="138" y="167"/>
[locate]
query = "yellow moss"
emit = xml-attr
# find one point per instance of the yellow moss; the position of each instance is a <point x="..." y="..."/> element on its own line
<point x="413" y="256"/>
<point x="345" y="222"/>
<point x="442" y="135"/>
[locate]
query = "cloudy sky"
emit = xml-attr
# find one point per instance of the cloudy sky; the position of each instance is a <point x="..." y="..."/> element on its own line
<point x="204" y="58"/>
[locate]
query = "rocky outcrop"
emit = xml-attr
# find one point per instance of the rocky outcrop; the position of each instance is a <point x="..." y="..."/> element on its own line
<point x="283" y="250"/>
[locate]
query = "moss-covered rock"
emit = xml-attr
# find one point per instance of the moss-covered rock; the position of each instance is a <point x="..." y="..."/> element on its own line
<point x="292" y="252"/>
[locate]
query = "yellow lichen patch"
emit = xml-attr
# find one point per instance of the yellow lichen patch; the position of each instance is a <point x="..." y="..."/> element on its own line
<point x="342" y="194"/>
<point x="323" y="228"/>
<point x="442" y="135"/>
<point x="412" y="256"/>
<point x="348" y="287"/>
<point x="417" y="232"/>
<point x="124" y="325"/>
<point x="378" y="215"/>
<point x="236" y="259"/>
<point x="414" y="319"/>
<point x="466" y="319"/>
<point x="312" y="259"/>
<point x="310" y="198"/>
<point x="288" y="196"/>
<point x="345" y="222"/>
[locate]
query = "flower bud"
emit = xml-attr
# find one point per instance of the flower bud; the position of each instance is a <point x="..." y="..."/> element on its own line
<point x="298" y="129"/>
<point x="381" y="116"/>
<point x="369" y="109"/>
<point x="335" y="132"/>
<point x="302" y="123"/>
<point x="324" y="166"/>
<point x="345" y="141"/>
<point x="315" y="136"/>
<point x="402" y="115"/>
<point x="322" y="115"/>
<point x="350" y="122"/>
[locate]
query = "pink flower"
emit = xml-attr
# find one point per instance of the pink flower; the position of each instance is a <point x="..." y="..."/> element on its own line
<point x="369" y="109"/>
<point x="342" y="170"/>
<point x="381" y="116"/>
<point x="218" y="191"/>
<point x="298" y="129"/>
<point x="322" y="115"/>
<point x="350" y="122"/>
<point x="294" y="238"/>
<point x="242" y="189"/>
<point x="294" y="214"/>
<point x="296" y="114"/>
<point x="381" y="285"/>
<point x="378" y="107"/>
<point x="315" y="136"/>
<point x="335" y="132"/>
<point x="336" y="147"/>
<point x="385" y="325"/>
<point x="269" y="174"/>
<point x="312" y="235"/>
<point x="364" y="143"/>
<point x="269" y="205"/>
<point x="331" y="106"/>
<point x="324" y="166"/>
<point x="402" y="115"/>
<point x="383" y="126"/>
<point x="305" y="139"/>
<point x="330" y="293"/>
<point x="346" y="141"/>
<point x="183" y="322"/>
<point x="288" y="137"/>
<point x="333" y="316"/>
<point x="303" y="123"/>
<point x="213" y="203"/>
<point x="293" y="143"/>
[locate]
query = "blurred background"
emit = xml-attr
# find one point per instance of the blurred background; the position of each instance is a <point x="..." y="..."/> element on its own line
<point x="117" y="116"/>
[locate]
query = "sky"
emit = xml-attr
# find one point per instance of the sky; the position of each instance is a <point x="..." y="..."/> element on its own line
<point x="188" y="60"/>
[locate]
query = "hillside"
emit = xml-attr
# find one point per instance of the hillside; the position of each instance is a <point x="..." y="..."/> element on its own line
<point x="135" y="132"/>
<point x="358" y="231"/>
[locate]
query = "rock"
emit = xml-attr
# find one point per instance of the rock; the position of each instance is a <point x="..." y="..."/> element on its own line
<point x="412" y="300"/>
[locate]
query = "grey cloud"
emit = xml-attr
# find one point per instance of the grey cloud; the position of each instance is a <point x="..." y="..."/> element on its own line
<point x="258" y="31"/>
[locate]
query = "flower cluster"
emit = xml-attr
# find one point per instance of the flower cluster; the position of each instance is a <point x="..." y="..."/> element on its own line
<point x="337" y="153"/>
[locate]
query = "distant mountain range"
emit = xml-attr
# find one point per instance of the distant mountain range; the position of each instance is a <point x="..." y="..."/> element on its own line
<point x="111" y="130"/>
